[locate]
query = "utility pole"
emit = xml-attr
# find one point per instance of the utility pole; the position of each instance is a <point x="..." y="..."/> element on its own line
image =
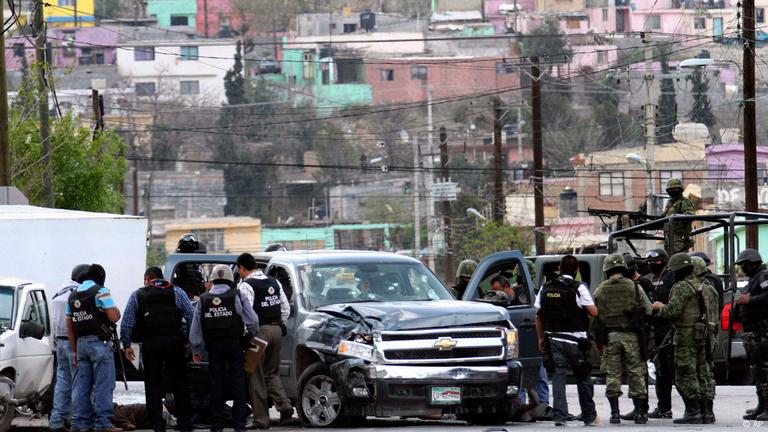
<point x="750" y="130"/>
<point x="538" y="171"/>
<point x="417" y="165"/>
<point x="650" y="125"/>
<point x="274" y="36"/>
<point x="519" y="134"/>
<point x="5" y="146"/>
<point x="205" y="18"/>
<point x="445" y="173"/>
<point x="45" y="138"/>
<point x="498" y="184"/>
<point x="135" y="181"/>
<point x="96" y="114"/>
<point x="430" y="178"/>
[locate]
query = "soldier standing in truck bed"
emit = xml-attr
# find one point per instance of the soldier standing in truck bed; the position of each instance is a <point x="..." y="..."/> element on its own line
<point x="677" y="234"/>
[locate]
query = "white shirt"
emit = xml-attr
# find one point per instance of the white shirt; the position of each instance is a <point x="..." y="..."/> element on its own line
<point x="583" y="299"/>
<point x="247" y="291"/>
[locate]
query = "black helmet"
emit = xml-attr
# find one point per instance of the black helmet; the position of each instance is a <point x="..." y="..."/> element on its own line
<point x="275" y="247"/>
<point x="188" y="243"/>
<point x="749" y="255"/>
<point x="703" y="256"/>
<point x="630" y="261"/>
<point x="79" y="272"/>
<point x="657" y="254"/>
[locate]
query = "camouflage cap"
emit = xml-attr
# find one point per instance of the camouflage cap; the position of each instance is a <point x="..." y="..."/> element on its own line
<point x="613" y="261"/>
<point x="680" y="261"/>
<point x="466" y="268"/>
<point x="675" y="183"/>
<point x="749" y="255"/>
<point x="531" y="269"/>
<point x="699" y="266"/>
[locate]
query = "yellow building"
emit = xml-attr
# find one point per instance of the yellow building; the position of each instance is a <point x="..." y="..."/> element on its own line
<point x="220" y="235"/>
<point x="70" y="13"/>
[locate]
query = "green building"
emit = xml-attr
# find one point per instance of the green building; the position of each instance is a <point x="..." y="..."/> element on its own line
<point x="718" y="245"/>
<point x="173" y="13"/>
<point x="342" y="236"/>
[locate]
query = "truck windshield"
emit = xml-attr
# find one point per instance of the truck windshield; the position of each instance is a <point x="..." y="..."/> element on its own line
<point x="6" y="305"/>
<point x="333" y="284"/>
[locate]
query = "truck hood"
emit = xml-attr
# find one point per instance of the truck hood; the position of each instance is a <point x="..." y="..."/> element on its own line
<point x="423" y="314"/>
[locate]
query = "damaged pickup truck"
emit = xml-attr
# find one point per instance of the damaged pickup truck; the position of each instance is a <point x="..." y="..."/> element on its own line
<point x="377" y="334"/>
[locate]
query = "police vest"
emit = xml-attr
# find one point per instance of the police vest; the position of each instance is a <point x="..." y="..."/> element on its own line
<point x="616" y="296"/>
<point x="751" y="313"/>
<point x="691" y="313"/>
<point x="87" y="319"/>
<point x="560" y="311"/>
<point x="266" y="299"/>
<point x="157" y="314"/>
<point x="220" y="319"/>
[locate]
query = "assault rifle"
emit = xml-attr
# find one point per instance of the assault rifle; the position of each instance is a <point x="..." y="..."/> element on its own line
<point x="636" y="317"/>
<point x="624" y="219"/>
<point x="119" y="351"/>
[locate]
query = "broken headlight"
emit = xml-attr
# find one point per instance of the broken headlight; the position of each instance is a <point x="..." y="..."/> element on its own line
<point x="513" y="344"/>
<point x="355" y="349"/>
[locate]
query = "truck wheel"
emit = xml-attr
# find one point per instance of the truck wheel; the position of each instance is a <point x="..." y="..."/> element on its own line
<point x="7" y="413"/>
<point x="319" y="401"/>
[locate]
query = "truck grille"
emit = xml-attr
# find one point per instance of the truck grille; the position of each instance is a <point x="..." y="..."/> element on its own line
<point x="454" y="345"/>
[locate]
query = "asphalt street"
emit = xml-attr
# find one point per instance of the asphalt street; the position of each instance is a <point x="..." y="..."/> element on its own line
<point x="729" y="407"/>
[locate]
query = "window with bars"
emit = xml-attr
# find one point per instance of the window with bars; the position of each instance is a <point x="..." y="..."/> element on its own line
<point x="189" y="53"/>
<point x="611" y="184"/>
<point x="189" y="87"/>
<point x="213" y="238"/>
<point x="419" y="73"/>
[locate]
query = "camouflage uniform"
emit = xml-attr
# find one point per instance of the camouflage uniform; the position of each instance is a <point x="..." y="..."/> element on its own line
<point x="612" y="298"/>
<point x="692" y="374"/>
<point x="463" y="274"/>
<point x="677" y="234"/>
<point x="712" y="300"/>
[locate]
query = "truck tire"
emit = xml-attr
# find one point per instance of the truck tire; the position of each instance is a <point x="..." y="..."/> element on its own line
<point x="7" y="413"/>
<point x="319" y="404"/>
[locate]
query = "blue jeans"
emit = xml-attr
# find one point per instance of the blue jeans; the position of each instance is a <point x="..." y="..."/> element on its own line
<point x="541" y="387"/>
<point x="94" y="386"/>
<point x="66" y="376"/>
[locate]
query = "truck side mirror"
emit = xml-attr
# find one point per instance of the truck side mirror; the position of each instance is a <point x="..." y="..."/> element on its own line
<point x="31" y="329"/>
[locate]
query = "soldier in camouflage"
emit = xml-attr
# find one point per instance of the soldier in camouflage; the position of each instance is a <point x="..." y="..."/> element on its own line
<point x="613" y="298"/>
<point x="752" y="312"/>
<point x="689" y="313"/>
<point x="463" y="275"/>
<point x="712" y="300"/>
<point x="677" y="234"/>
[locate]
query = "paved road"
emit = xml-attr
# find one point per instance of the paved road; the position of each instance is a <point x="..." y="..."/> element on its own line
<point x="729" y="407"/>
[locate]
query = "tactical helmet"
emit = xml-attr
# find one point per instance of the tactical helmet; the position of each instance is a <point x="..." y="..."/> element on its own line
<point x="222" y="272"/>
<point x="680" y="261"/>
<point x="614" y="261"/>
<point x="188" y="243"/>
<point x="703" y="256"/>
<point x="629" y="260"/>
<point x="531" y="269"/>
<point x="275" y="247"/>
<point x="79" y="272"/>
<point x="466" y="268"/>
<point x="674" y="183"/>
<point x="699" y="266"/>
<point x="749" y="255"/>
<point x="657" y="254"/>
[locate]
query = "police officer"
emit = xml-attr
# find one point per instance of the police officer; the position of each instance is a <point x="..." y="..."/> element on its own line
<point x="677" y="234"/>
<point x="502" y="290"/>
<point x="662" y="280"/>
<point x="463" y="274"/>
<point x="700" y="271"/>
<point x="562" y="324"/>
<point x="91" y="313"/>
<point x="613" y="298"/>
<point x="688" y="310"/>
<point x="712" y="278"/>
<point x="752" y="312"/>
<point x="66" y="371"/>
<point x="156" y="315"/>
<point x="187" y="275"/>
<point x="268" y="299"/>
<point x="217" y="326"/>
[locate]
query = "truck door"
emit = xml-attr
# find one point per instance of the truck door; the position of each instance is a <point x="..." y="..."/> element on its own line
<point x="521" y="311"/>
<point x="36" y="355"/>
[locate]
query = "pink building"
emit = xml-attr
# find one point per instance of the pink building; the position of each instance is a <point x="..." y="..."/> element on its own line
<point x="686" y="17"/>
<point x="501" y="13"/>
<point x="69" y="47"/>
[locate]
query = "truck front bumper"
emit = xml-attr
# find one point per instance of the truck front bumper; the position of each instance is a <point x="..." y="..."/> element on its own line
<point x="390" y="390"/>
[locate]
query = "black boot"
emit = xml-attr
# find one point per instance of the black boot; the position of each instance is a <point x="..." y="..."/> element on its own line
<point x="692" y="413"/>
<point x="629" y="416"/>
<point x="615" y="414"/>
<point x="641" y="410"/>
<point x="661" y="413"/>
<point x="758" y="409"/>
<point x="707" y="415"/>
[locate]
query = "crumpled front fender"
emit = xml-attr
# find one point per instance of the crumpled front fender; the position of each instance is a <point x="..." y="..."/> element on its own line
<point x="350" y="380"/>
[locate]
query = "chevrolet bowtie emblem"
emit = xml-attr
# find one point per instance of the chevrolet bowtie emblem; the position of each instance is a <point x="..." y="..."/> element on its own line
<point x="445" y="344"/>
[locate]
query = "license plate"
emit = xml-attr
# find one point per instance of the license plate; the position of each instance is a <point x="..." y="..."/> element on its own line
<point x="445" y="395"/>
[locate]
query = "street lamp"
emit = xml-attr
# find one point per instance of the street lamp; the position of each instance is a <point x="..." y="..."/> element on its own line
<point x="635" y="158"/>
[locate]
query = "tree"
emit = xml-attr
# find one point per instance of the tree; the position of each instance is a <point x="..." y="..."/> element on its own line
<point x="541" y="42"/>
<point x="701" y="112"/>
<point x="87" y="172"/>
<point x="667" y="118"/>
<point x="482" y="241"/>
<point x="234" y="81"/>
